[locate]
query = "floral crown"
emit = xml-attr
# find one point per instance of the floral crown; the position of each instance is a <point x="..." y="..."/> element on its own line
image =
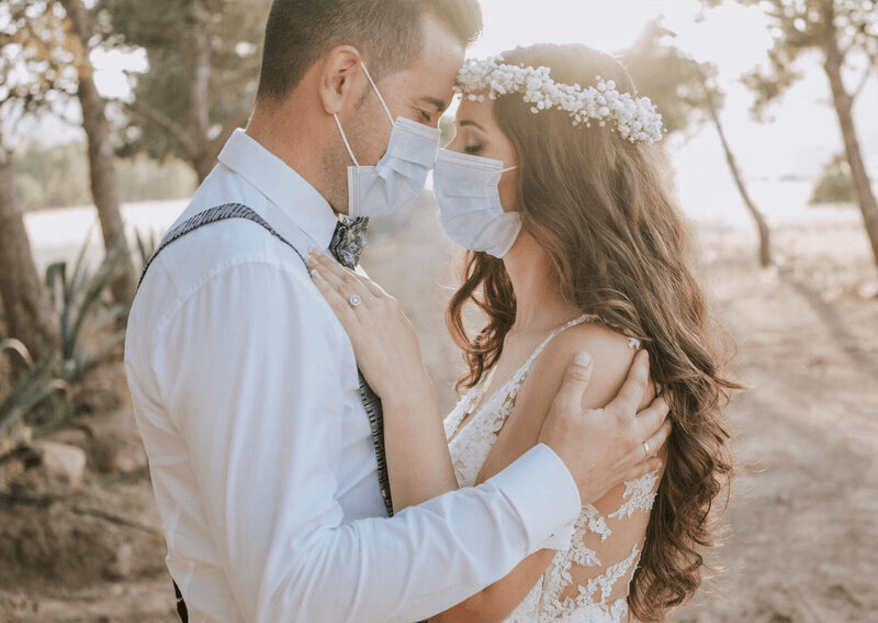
<point x="636" y="119"/>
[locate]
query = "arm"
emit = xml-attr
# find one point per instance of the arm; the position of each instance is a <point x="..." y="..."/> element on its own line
<point x="598" y="443"/>
<point x="389" y="355"/>
<point x="246" y="374"/>
<point x="417" y="456"/>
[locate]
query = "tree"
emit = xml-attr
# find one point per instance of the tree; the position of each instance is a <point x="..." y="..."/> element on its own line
<point x="835" y="184"/>
<point x="687" y="95"/>
<point x="710" y="103"/>
<point x="24" y="304"/>
<point x="32" y="65"/>
<point x="844" y="33"/>
<point x="201" y="81"/>
<point x="102" y="167"/>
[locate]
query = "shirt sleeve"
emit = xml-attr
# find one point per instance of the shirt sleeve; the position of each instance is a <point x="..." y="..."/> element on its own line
<point x="248" y="373"/>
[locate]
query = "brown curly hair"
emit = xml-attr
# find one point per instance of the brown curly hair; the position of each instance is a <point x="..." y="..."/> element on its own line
<point x="603" y="210"/>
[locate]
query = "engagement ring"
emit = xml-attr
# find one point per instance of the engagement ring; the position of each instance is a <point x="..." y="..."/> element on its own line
<point x="646" y="449"/>
<point x="355" y="300"/>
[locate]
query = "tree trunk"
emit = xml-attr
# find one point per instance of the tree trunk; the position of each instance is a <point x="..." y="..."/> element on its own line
<point x="203" y="165"/>
<point x="102" y="167"/>
<point x="843" y="104"/>
<point x="24" y="301"/>
<point x="761" y="224"/>
<point x="200" y="88"/>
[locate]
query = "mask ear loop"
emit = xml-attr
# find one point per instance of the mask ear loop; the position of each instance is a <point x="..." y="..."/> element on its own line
<point x="514" y="166"/>
<point x="377" y="92"/>
<point x="345" y="140"/>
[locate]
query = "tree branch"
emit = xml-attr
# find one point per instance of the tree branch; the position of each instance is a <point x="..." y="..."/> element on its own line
<point x="863" y="80"/>
<point x="176" y="130"/>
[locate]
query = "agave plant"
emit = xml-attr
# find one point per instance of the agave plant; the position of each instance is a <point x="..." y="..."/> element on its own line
<point x="146" y="245"/>
<point x="34" y="386"/>
<point x="38" y="399"/>
<point x="78" y="300"/>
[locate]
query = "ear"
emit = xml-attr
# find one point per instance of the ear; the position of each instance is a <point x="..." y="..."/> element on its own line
<point x="337" y="81"/>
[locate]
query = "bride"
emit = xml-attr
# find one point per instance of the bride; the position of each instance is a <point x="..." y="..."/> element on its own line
<point x="575" y="243"/>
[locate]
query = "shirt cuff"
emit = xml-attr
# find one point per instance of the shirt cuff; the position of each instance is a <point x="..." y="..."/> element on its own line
<point x="541" y="489"/>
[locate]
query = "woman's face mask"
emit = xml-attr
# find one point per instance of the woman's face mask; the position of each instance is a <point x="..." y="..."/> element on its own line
<point x="398" y="177"/>
<point x="470" y="213"/>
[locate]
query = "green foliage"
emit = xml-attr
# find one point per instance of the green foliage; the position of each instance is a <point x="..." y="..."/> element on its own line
<point x="146" y="246"/>
<point x="80" y="302"/>
<point x="164" y="28"/>
<point x="36" y="57"/>
<point x="37" y="392"/>
<point x="50" y="177"/>
<point x="671" y="79"/>
<point x="90" y="331"/>
<point x="836" y="185"/>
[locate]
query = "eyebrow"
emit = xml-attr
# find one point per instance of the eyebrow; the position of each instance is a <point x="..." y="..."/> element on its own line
<point x="466" y="122"/>
<point x="439" y="103"/>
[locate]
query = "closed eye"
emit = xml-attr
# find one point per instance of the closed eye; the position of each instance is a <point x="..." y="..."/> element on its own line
<point x="472" y="148"/>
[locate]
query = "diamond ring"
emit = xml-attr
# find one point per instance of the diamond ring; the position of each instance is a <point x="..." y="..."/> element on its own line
<point x="355" y="300"/>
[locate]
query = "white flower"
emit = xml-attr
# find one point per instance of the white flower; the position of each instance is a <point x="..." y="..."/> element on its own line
<point x="636" y="120"/>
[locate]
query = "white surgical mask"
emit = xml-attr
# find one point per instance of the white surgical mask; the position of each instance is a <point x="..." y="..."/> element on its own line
<point x="399" y="176"/>
<point x="465" y="188"/>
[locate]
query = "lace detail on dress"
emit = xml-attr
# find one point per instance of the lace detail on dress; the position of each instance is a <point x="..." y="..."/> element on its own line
<point x="582" y="584"/>
<point x="640" y="494"/>
<point x="596" y="522"/>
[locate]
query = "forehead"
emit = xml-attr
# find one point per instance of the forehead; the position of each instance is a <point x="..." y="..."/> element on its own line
<point x="434" y="73"/>
<point x="481" y="113"/>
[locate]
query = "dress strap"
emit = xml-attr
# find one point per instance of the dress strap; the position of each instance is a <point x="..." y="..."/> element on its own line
<point x="514" y="383"/>
<point x="561" y="329"/>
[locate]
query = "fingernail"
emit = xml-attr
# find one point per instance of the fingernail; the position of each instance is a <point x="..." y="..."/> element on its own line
<point x="583" y="359"/>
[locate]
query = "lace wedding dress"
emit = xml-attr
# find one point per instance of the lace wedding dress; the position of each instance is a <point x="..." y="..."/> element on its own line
<point x="588" y="583"/>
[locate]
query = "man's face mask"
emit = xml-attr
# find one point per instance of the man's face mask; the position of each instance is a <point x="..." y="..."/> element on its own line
<point x="399" y="176"/>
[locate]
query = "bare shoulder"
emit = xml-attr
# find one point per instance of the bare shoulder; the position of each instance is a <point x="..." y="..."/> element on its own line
<point x="612" y="356"/>
<point x="611" y="352"/>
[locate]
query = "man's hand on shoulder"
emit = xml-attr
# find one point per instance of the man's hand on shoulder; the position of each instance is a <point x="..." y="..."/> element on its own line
<point x="608" y="446"/>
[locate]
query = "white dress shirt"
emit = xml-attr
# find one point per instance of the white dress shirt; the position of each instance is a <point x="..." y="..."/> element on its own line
<point x="246" y="394"/>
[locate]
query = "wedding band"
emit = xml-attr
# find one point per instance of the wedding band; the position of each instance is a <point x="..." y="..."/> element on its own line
<point x="646" y="449"/>
<point x="355" y="300"/>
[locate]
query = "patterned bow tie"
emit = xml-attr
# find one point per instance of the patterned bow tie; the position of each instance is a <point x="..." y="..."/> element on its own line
<point x="349" y="239"/>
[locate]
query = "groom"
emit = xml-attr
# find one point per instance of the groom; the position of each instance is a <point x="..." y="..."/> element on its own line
<point x="263" y="448"/>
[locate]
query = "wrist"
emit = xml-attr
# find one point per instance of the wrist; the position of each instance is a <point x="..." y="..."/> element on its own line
<point x="414" y="389"/>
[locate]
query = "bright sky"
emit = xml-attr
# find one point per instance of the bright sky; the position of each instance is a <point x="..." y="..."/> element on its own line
<point x="802" y="137"/>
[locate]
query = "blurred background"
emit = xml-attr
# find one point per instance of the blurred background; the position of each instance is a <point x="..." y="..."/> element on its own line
<point x="112" y="111"/>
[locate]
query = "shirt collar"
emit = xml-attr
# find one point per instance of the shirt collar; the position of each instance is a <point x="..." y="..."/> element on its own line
<point x="281" y="185"/>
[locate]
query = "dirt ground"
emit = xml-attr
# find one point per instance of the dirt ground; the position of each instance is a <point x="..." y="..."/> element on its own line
<point x="802" y="525"/>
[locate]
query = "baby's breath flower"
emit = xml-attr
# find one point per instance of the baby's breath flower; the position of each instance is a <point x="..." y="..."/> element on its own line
<point x="635" y="119"/>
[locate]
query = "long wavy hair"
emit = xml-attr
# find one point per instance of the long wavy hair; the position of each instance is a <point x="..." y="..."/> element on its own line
<point x="604" y="211"/>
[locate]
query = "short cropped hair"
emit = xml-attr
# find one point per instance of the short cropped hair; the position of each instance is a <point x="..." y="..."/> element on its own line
<point x="388" y="33"/>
